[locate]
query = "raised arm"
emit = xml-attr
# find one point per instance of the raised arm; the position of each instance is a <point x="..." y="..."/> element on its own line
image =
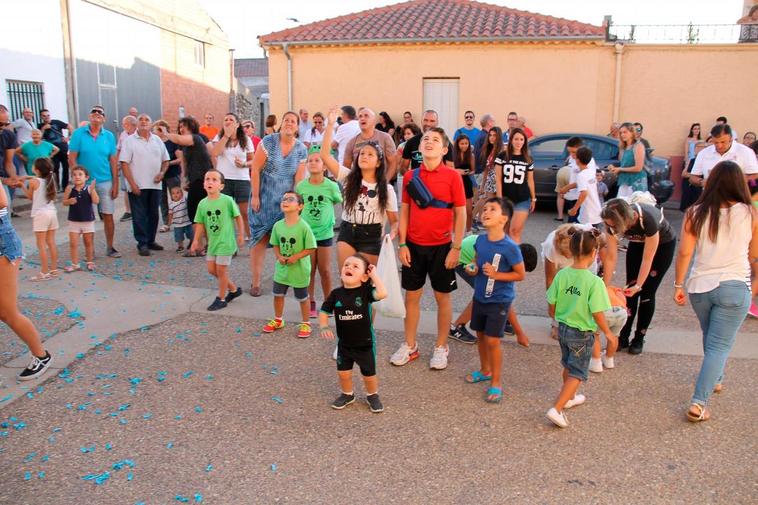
<point x="326" y="153"/>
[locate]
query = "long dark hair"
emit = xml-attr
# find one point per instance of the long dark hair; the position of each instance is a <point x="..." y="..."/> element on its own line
<point x="726" y="183"/>
<point x="239" y="133"/>
<point x="489" y="147"/>
<point x="354" y="180"/>
<point x="389" y="123"/>
<point x="191" y="124"/>
<point x="524" y="150"/>
<point x="689" y="135"/>
<point x="461" y="160"/>
<point x="45" y="168"/>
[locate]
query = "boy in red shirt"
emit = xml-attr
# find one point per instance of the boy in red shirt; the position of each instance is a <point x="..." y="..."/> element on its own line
<point x="430" y="243"/>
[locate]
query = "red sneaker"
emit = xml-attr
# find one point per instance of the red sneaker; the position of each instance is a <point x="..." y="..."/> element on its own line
<point x="273" y="325"/>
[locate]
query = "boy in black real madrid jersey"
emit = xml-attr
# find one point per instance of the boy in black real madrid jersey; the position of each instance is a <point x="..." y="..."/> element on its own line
<point x="351" y="306"/>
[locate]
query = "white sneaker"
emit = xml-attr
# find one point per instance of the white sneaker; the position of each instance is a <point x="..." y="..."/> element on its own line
<point x="576" y="400"/>
<point x="404" y="354"/>
<point x="557" y="418"/>
<point x="596" y="365"/>
<point x="334" y="354"/>
<point x="439" y="358"/>
<point x="607" y="362"/>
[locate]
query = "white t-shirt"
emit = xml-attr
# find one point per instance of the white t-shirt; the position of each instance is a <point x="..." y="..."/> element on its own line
<point x="366" y="208"/>
<point x="225" y="161"/>
<point x="739" y="153"/>
<point x="573" y="193"/>
<point x="549" y="253"/>
<point x="589" y="213"/>
<point x="23" y="130"/>
<point x="144" y="158"/>
<point x="726" y="259"/>
<point x="313" y="136"/>
<point x="346" y="133"/>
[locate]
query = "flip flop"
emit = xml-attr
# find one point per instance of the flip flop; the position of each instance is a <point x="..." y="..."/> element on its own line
<point x="478" y="376"/>
<point x="702" y="415"/>
<point x="72" y="268"/>
<point x="494" y="395"/>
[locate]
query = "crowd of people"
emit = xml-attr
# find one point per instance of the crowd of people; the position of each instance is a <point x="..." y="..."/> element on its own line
<point x="458" y="212"/>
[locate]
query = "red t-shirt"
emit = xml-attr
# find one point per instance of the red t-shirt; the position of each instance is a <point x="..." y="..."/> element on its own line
<point x="256" y="141"/>
<point x="434" y="226"/>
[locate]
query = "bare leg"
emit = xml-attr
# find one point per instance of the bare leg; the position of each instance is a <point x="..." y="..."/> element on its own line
<point x="73" y="247"/>
<point x="568" y="391"/>
<point x="42" y="248"/>
<point x="324" y="259"/>
<point x="469" y="213"/>
<point x="110" y="229"/>
<point x="495" y="356"/>
<point x="346" y="381"/>
<point x="444" y="316"/>
<point x="517" y="225"/>
<point x="412" y="314"/>
<point x="371" y="384"/>
<point x="50" y="239"/>
<point x="257" y="256"/>
<point x="305" y="311"/>
<point x="597" y="349"/>
<point x="245" y="220"/>
<point x="312" y="285"/>
<point x="560" y="204"/>
<point x="484" y="357"/>
<point x="278" y="306"/>
<point x="465" y="316"/>
<point x="89" y="246"/>
<point x="521" y="337"/>
<point x="9" y="313"/>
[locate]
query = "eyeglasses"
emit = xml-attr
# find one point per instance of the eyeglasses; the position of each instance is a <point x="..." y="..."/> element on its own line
<point x="289" y="199"/>
<point x="97" y="111"/>
<point x="468" y="117"/>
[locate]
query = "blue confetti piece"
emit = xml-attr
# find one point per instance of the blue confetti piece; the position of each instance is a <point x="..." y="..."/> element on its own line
<point x="19" y="426"/>
<point x="274" y="370"/>
<point x="170" y="445"/>
<point x="178" y="417"/>
<point x="143" y="329"/>
<point x="107" y="347"/>
<point x="129" y="476"/>
<point x="207" y="377"/>
<point x="198" y="498"/>
<point x="108" y="446"/>
<point x="122" y="421"/>
<point x="59" y="310"/>
<point x="187" y="374"/>
<point x="126" y="352"/>
<point x="80" y="355"/>
<point x="41" y="475"/>
<point x="181" y="498"/>
<point x="147" y="415"/>
<point x="5" y="398"/>
<point x="30" y="457"/>
<point x="273" y="467"/>
<point x="87" y="449"/>
<point x="100" y="479"/>
<point x="277" y="399"/>
<point x="208" y="468"/>
<point x="75" y="314"/>
<point x="44" y="459"/>
<point x="64" y="373"/>
<point x="123" y="407"/>
<point x="136" y="380"/>
<point x="239" y="329"/>
<point x="198" y="409"/>
<point x="27" y="475"/>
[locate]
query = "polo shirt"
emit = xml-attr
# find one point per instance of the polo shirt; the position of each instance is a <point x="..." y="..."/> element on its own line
<point x="739" y="153"/>
<point x="23" y="130"/>
<point x="144" y="157"/>
<point x="94" y="153"/>
<point x="434" y="226"/>
<point x="344" y="134"/>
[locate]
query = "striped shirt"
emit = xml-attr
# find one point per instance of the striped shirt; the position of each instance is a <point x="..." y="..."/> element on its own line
<point x="179" y="215"/>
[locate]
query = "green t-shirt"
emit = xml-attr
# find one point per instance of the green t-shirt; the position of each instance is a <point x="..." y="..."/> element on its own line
<point x="32" y="152"/>
<point x="318" y="211"/>
<point x="467" y="250"/>
<point x="291" y="240"/>
<point x="218" y="218"/>
<point x="577" y="294"/>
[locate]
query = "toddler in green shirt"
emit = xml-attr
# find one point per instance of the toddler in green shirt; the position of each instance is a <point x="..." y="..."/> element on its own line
<point x="293" y="242"/>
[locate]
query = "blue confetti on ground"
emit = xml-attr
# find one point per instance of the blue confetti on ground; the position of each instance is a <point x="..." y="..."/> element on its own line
<point x="277" y="399"/>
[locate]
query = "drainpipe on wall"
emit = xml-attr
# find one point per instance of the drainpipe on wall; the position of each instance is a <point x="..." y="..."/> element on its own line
<point x="69" y="66"/>
<point x="285" y="48"/>
<point x="617" y="87"/>
<point x="232" y="87"/>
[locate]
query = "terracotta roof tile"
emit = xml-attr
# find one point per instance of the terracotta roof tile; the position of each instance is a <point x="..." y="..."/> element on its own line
<point x="425" y="20"/>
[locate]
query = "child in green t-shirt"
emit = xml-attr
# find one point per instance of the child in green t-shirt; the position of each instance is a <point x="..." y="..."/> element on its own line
<point x="215" y="217"/>
<point x="577" y="299"/>
<point x="293" y="243"/>
<point x="319" y="195"/>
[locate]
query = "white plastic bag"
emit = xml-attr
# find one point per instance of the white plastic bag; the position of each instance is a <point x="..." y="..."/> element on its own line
<point x="386" y="269"/>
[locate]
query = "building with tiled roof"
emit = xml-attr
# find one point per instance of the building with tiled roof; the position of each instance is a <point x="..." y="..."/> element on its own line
<point x="458" y="55"/>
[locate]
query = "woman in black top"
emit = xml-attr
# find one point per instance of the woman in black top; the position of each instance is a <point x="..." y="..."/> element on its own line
<point x="648" y="258"/>
<point x="465" y="165"/>
<point x="514" y="176"/>
<point x="386" y="125"/>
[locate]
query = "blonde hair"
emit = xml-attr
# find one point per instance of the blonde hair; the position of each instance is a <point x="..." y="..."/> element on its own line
<point x="562" y="239"/>
<point x="619" y="213"/>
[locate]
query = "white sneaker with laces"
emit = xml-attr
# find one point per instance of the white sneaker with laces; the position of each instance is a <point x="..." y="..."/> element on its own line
<point x="557" y="418"/>
<point x="596" y="365"/>
<point x="439" y="358"/>
<point x="404" y="354"/>
<point x="578" y="399"/>
<point x="607" y="362"/>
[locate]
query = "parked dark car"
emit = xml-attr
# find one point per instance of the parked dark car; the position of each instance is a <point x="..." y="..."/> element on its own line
<point x="549" y="153"/>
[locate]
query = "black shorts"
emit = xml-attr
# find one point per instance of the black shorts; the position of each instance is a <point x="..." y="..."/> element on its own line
<point x="489" y="318"/>
<point x="428" y="260"/>
<point x="468" y="186"/>
<point x="465" y="277"/>
<point x="327" y="242"/>
<point x="364" y="357"/>
<point x="238" y="189"/>
<point x="364" y="238"/>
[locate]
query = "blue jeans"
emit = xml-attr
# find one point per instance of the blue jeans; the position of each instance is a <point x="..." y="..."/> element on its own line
<point x="720" y="312"/>
<point x="145" y="210"/>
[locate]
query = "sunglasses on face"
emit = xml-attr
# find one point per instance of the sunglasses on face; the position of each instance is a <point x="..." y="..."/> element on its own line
<point x="468" y="117"/>
<point x="97" y="111"/>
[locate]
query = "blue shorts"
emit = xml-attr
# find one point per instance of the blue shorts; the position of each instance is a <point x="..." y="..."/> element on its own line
<point x="10" y="244"/>
<point x="490" y="318"/>
<point x="180" y="232"/>
<point x="107" y="204"/>
<point x="301" y="294"/>
<point x="522" y="206"/>
<point x="576" y="350"/>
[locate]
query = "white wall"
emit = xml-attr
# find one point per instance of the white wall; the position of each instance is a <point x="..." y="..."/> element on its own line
<point x="31" y="49"/>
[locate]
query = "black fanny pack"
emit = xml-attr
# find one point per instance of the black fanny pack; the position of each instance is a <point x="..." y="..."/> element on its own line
<point x="420" y="194"/>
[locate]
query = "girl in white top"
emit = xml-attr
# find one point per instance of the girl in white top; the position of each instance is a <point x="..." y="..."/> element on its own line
<point x="722" y="229"/>
<point x="233" y="152"/>
<point x="40" y="189"/>
<point x="368" y="198"/>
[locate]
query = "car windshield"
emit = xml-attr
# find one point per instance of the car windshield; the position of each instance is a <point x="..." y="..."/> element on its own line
<point x="602" y="150"/>
<point x="549" y="148"/>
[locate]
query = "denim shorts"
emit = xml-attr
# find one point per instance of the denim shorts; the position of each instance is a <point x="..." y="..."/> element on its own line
<point x="180" y="232"/>
<point x="301" y="294"/>
<point x="522" y="206"/>
<point x="107" y="204"/>
<point x="576" y="350"/>
<point x="10" y="244"/>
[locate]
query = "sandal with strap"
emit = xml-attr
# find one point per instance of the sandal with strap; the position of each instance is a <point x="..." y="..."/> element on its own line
<point x="478" y="376"/>
<point x="700" y="416"/>
<point x="55" y="272"/>
<point x="72" y="268"/>
<point x="41" y="277"/>
<point x="494" y="395"/>
<point x="91" y="266"/>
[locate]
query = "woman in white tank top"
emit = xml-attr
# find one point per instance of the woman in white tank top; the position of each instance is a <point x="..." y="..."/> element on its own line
<point x="721" y="229"/>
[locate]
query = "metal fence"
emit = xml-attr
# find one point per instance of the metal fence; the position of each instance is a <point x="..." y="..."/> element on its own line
<point x="25" y="94"/>
<point x="683" y="34"/>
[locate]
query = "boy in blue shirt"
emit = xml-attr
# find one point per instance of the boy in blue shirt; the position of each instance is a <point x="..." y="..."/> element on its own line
<point x="497" y="265"/>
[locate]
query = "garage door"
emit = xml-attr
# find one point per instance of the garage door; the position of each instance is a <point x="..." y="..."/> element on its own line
<point x="442" y="95"/>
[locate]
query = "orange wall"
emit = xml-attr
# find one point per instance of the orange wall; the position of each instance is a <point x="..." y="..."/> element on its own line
<point x="558" y="87"/>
